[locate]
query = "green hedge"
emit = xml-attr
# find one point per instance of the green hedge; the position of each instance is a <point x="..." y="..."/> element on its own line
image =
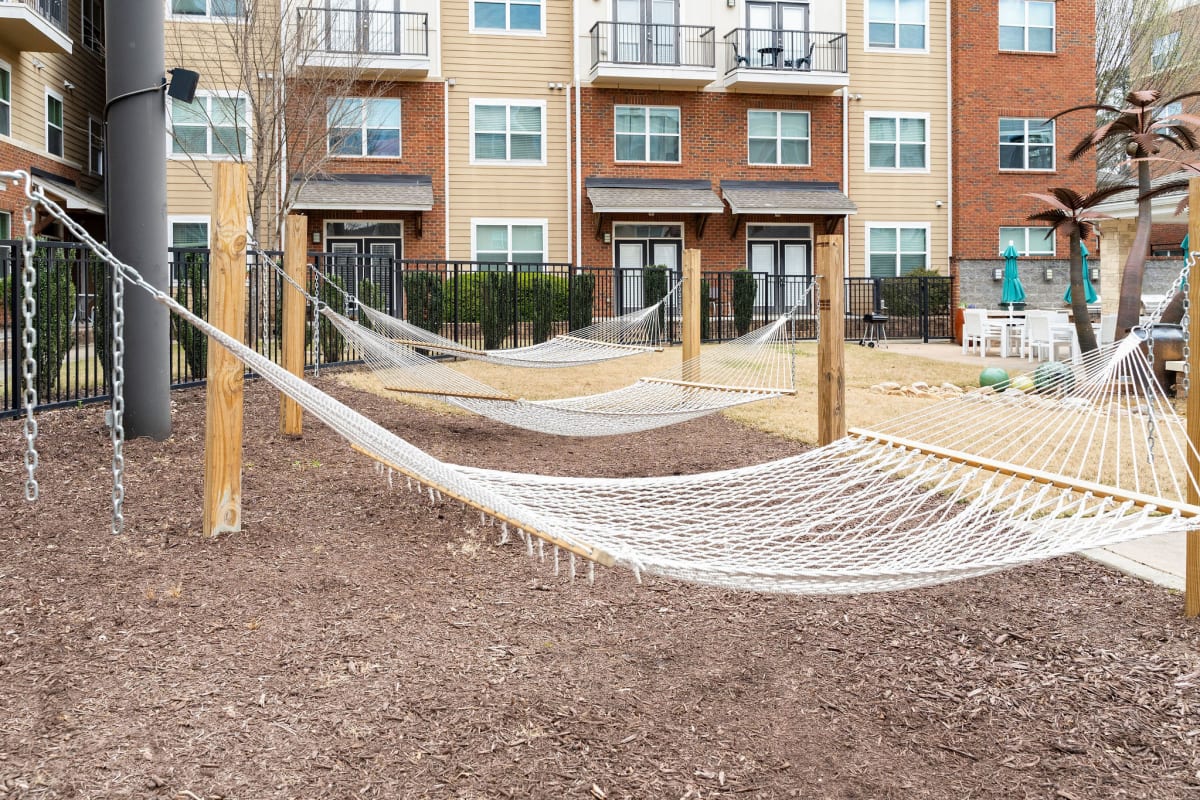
<point x="583" y="289"/>
<point x="424" y="300"/>
<point x="493" y="299"/>
<point x="191" y="293"/>
<point x="902" y="302"/>
<point x="744" y="290"/>
<point x="371" y="296"/>
<point x="705" y="310"/>
<point x="654" y="286"/>
<point x="332" y="342"/>
<point x="533" y="292"/>
<point x="55" y="297"/>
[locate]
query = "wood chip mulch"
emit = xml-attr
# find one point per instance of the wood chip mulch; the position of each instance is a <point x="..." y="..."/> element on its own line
<point x="356" y="641"/>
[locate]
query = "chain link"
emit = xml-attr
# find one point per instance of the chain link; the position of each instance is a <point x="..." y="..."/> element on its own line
<point x="118" y="401"/>
<point x="29" y="364"/>
<point x="1186" y="321"/>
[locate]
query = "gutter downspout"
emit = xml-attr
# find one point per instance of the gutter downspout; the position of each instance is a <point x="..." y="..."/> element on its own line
<point x="578" y="176"/>
<point x="570" y="227"/>
<point x="846" y="174"/>
<point x="446" y="163"/>
<point x="949" y="145"/>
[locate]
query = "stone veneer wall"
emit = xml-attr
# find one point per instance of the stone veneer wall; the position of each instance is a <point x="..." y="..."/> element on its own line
<point x="976" y="287"/>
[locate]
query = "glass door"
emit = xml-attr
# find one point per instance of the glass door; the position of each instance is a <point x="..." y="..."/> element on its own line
<point x="342" y="32"/>
<point x="647" y="32"/>
<point x="795" y="276"/>
<point x="777" y="33"/>
<point x="381" y="26"/>
<point x="794" y="36"/>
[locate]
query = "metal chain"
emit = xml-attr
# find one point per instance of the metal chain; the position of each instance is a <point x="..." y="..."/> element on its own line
<point x="29" y="308"/>
<point x="1187" y="318"/>
<point x="118" y="400"/>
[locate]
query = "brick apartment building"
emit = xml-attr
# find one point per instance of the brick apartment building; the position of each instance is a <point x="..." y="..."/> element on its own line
<point x="51" y="109"/>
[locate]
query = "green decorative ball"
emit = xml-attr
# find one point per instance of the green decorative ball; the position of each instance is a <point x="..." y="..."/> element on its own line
<point x="1053" y="375"/>
<point x="995" y="377"/>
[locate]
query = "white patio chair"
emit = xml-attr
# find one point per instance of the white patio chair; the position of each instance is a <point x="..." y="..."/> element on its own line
<point x="1108" y="329"/>
<point x="1045" y="335"/>
<point x="978" y="331"/>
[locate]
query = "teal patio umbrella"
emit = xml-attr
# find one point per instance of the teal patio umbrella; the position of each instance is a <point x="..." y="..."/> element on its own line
<point x="1089" y="291"/>
<point x="1012" y="290"/>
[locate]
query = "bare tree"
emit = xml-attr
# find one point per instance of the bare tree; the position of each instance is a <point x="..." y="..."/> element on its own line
<point x="288" y="63"/>
<point x="1142" y="44"/>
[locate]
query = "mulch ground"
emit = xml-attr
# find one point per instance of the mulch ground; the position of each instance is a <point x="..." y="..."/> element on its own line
<point x="357" y="641"/>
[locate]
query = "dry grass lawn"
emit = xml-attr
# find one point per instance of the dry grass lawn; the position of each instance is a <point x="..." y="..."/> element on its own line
<point x="791" y="417"/>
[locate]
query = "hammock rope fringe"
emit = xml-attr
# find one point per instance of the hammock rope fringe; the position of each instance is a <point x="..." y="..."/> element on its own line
<point x="861" y="514"/>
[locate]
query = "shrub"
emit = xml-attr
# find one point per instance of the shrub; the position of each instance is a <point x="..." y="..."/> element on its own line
<point x="332" y="342"/>
<point x="705" y="306"/>
<point x="55" y="298"/>
<point x="191" y="292"/>
<point x="542" y="305"/>
<point x="495" y="307"/>
<point x="744" y="290"/>
<point x="371" y="296"/>
<point x="654" y="286"/>
<point x="102" y="315"/>
<point x="538" y="297"/>
<point x="901" y="298"/>
<point x="583" y="288"/>
<point x="423" y="300"/>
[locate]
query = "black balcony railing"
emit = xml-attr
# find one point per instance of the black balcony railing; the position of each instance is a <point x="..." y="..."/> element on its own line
<point x="661" y="45"/>
<point x="53" y="11"/>
<point x="364" y="32"/>
<point x="767" y="49"/>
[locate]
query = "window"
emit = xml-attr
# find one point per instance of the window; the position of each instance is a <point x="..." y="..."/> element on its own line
<point x="207" y="8"/>
<point x="189" y="232"/>
<point x="1170" y="110"/>
<point x="360" y="127"/>
<point x="1162" y="53"/>
<point x="501" y="241"/>
<point x="92" y="24"/>
<point x="5" y="225"/>
<point x="1028" y="241"/>
<point x="779" y="137"/>
<point x="507" y="15"/>
<point x="647" y="133"/>
<point x="898" y="24"/>
<point x="5" y="101"/>
<point x="897" y="142"/>
<point x="54" y="124"/>
<point x="213" y="125"/>
<point x="1027" y="25"/>
<point x="507" y="132"/>
<point x="1026" y="144"/>
<point x="1156" y="250"/>
<point x="95" y="146"/>
<point x="898" y="249"/>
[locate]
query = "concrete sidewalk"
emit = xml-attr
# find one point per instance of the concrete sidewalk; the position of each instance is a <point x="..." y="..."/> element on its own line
<point x="1159" y="559"/>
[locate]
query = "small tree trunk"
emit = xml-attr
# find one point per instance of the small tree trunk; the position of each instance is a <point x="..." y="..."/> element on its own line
<point x="1079" y="309"/>
<point x="1129" y="308"/>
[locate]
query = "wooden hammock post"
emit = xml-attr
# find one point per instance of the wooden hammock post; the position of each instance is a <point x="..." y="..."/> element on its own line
<point x="1191" y="598"/>
<point x="295" y="250"/>
<point x="831" y="340"/>
<point x="227" y="311"/>
<point x="692" y="306"/>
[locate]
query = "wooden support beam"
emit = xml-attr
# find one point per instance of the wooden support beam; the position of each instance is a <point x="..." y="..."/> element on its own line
<point x="1038" y="476"/>
<point x="1191" y="594"/>
<point x="645" y="348"/>
<point x="295" y="260"/>
<point x="718" y="387"/>
<point x="591" y="553"/>
<point x="227" y="311"/>
<point x="691" y="314"/>
<point x="831" y="340"/>
<point x="441" y="348"/>
<point x="448" y="393"/>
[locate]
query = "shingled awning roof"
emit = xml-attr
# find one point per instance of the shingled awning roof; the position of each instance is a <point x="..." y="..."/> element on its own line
<point x="810" y="198"/>
<point x="652" y="196"/>
<point x="367" y="192"/>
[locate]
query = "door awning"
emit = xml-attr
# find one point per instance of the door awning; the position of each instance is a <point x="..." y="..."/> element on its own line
<point x="365" y="192"/>
<point x="651" y="196"/>
<point x="808" y="198"/>
<point x="69" y="197"/>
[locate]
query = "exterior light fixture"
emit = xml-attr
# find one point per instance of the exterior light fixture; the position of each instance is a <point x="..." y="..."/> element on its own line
<point x="1049" y="274"/>
<point x="998" y="274"/>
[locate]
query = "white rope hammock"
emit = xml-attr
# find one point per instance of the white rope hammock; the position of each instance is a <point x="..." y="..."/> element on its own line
<point x="956" y="489"/>
<point x="627" y="335"/>
<point x="753" y="367"/>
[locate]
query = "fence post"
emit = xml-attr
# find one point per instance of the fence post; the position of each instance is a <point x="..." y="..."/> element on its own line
<point x="691" y="315"/>
<point x="295" y="256"/>
<point x="227" y="311"/>
<point x="831" y="340"/>
<point x="1191" y="604"/>
<point x="924" y="308"/>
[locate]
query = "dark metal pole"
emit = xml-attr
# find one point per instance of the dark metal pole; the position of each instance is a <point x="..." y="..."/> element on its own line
<point x="137" y="203"/>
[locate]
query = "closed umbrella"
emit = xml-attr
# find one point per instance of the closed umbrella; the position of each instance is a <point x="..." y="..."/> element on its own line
<point x="1012" y="290"/>
<point x="1089" y="291"/>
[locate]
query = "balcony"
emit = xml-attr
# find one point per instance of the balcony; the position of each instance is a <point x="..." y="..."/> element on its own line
<point x="388" y="44"/>
<point x="35" y="26"/>
<point x="643" y="54"/>
<point x="809" y="62"/>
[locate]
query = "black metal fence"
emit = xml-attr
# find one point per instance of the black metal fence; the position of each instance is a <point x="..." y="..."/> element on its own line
<point x="478" y="304"/>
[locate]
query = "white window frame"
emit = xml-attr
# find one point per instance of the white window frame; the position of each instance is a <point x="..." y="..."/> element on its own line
<point x="96" y="43"/>
<point x="897" y="226"/>
<point x="778" y="112"/>
<point x="646" y="135"/>
<point x="363" y="128"/>
<point x="867" y="46"/>
<point x="897" y="116"/>
<point x="207" y="16"/>
<point x="1025" y="146"/>
<point x="1157" y="51"/>
<point x="62" y="129"/>
<point x="6" y="226"/>
<point x="507" y="31"/>
<point x="508" y="103"/>
<point x="1026" y="26"/>
<point x="185" y="219"/>
<point x="6" y="67"/>
<point x="92" y="122"/>
<point x="543" y="223"/>
<point x="1029" y="232"/>
<point x="208" y="155"/>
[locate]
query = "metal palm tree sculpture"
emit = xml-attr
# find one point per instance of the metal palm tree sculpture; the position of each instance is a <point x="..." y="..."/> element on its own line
<point x="1142" y="127"/>
<point x="1073" y="212"/>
